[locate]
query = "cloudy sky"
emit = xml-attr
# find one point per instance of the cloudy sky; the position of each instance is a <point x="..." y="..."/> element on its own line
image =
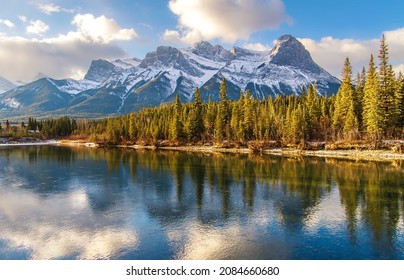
<point x="60" y="38"/>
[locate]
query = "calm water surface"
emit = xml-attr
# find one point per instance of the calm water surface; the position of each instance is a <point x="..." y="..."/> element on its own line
<point x="77" y="203"/>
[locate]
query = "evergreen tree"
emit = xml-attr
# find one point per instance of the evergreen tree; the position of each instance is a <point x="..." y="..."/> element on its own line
<point x="313" y="108"/>
<point x="222" y="116"/>
<point x="371" y="111"/>
<point x="223" y="89"/>
<point x="386" y="89"/>
<point x="196" y="127"/>
<point x="358" y="96"/>
<point x="343" y="98"/>
<point x="7" y="126"/>
<point x="132" y="126"/>
<point x="236" y="121"/>
<point x="248" y="124"/>
<point x="177" y="126"/>
<point x="351" y="125"/>
<point x="399" y="102"/>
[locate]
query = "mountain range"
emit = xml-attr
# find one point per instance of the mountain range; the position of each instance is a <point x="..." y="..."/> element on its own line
<point x="122" y="86"/>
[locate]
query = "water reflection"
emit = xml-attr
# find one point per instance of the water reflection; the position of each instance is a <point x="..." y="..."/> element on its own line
<point x="58" y="202"/>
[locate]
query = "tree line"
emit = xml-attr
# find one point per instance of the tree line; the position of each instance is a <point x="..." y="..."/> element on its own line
<point x="50" y="128"/>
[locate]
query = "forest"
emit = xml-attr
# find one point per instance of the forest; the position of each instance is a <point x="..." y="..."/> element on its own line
<point x="368" y="107"/>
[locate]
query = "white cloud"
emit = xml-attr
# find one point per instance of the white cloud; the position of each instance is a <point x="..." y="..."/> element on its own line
<point x="7" y="23"/>
<point x="52" y="8"/>
<point x="22" y="18"/>
<point x="330" y="53"/>
<point x="101" y="30"/>
<point x="256" y="47"/>
<point x="65" y="56"/>
<point x="48" y="8"/>
<point x="37" y="27"/>
<point x="228" y="20"/>
<point x="172" y="36"/>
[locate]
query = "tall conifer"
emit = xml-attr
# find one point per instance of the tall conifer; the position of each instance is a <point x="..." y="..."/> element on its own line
<point x="371" y="111"/>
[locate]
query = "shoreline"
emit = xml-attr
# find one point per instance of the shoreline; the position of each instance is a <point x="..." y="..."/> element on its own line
<point x="373" y="155"/>
<point x="351" y="154"/>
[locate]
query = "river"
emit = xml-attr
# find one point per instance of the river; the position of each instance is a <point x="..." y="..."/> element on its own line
<point x="81" y="203"/>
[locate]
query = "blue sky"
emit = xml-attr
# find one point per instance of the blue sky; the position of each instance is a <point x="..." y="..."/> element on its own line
<point x="61" y="37"/>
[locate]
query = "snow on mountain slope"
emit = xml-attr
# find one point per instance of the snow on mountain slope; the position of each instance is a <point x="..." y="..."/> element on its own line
<point x="73" y="87"/>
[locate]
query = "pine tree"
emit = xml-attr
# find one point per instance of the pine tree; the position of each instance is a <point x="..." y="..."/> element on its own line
<point x="248" y="117"/>
<point x="196" y="127"/>
<point x="313" y="109"/>
<point x="177" y="126"/>
<point x="371" y="111"/>
<point x="351" y="125"/>
<point x="7" y="126"/>
<point x="399" y="102"/>
<point x="235" y="122"/>
<point x="222" y="116"/>
<point x="132" y="126"/>
<point x="358" y="96"/>
<point x="386" y="88"/>
<point x="343" y="98"/>
<point x="209" y="120"/>
<point x="223" y="89"/>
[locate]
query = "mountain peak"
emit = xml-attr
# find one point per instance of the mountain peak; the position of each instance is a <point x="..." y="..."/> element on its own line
<point x="5" y="85"/>
<point x="286" y="38"/>
<point x="39" y="76"/>
<point x="99" y="70"/>
<point x="290" y="51"/>
<point x="209" y="51"/>
<point x="163" y="56"/>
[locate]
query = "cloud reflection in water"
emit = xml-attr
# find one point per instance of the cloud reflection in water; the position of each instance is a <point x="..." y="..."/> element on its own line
<point x="46" y="230"/>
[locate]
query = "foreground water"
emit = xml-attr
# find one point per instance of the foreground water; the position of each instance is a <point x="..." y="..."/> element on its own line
<point x="77" y="203"/>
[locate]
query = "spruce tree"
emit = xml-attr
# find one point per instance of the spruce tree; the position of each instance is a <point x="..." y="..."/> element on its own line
<point x="343" y="98"/>
<point x="248" y="117"/>
<point x="371" y="111"/>
<point x="351" y="123"/>
<point x="132" y="126"/>
<point x="222" y="116"/>
<point x="313" y="108"/>
<point x="358" y="96"/>
<point x="386" y="89"/>
<point x="223" y="89"/>
<point x="196" y="127"/>
<point x="7" y="126"/>
<point x="177" y="126"/>
<point x="399" y="102"/>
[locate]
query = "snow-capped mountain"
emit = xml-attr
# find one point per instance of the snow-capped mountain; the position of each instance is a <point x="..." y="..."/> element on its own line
<point x="121" y="86"/>
<point x="5" y="85"/>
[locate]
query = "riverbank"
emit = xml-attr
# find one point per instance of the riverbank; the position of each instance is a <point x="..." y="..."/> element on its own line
<point x="358" y="153"/>
<point x="374" y="155"/>
<point x="388" y="153"/>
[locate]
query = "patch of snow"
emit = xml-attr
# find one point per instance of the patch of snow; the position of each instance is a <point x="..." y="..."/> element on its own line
<point x="11" y="103"/>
